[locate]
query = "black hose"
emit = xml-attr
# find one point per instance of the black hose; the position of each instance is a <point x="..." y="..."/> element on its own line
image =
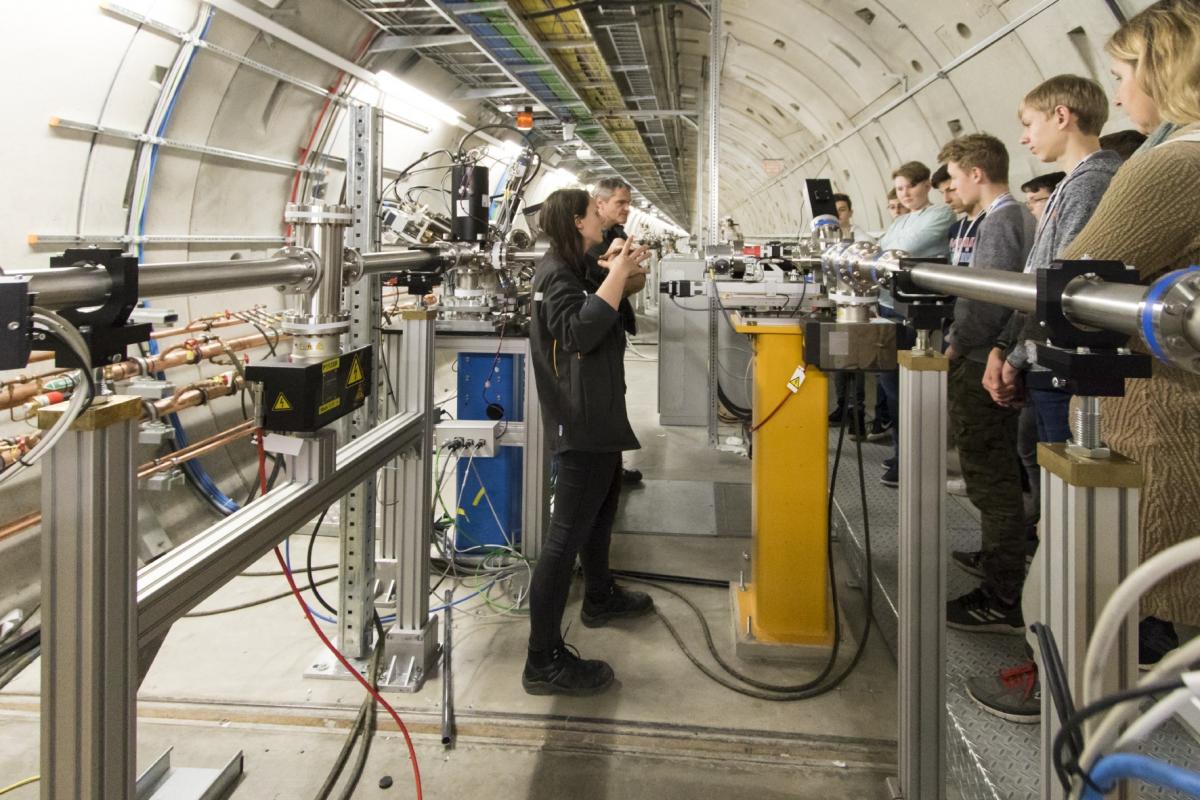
<point x="816" y="686"/>
<point x="741" y="413"/>
<point x="664" y="578"/>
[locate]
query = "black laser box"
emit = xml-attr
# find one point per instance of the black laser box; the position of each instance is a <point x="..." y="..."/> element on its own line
<point x="305" y="397"/>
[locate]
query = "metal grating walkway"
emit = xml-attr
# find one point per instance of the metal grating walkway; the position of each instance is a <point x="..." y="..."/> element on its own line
<point x="989" y="759"/>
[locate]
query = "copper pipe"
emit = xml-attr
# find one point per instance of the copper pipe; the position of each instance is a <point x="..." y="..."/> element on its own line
<point x="13" y="527"/>
<point x="200" y="326"/>
<point x="197" y="449"/>
<point x="13" y="396"/>
<point x="181" y="456"/>
<point x="198" y="394"/>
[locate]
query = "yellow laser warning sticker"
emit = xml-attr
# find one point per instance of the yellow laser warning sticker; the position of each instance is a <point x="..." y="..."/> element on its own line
<point x="281" y="403"/>
<point x="797" y="380"/>
<point x="356" y="373"/>
<point x="330" y="406"/>
<point x="330" y="365"/>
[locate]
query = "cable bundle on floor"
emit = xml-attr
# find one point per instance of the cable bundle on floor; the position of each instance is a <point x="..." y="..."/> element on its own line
<point x="822" y="683"/>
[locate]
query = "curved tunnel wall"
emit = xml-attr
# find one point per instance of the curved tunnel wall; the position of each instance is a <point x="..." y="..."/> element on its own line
<point x="799" y="76"/>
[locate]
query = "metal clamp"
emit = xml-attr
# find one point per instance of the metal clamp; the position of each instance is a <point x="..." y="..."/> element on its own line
<point x="314" y="268"/>
<point x="1166" y="326"/>
<point x="352" y="265"/>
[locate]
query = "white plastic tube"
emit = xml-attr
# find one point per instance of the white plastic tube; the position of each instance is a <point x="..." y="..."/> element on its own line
<point x="1171" y="666"/>
<point x="1154" y="717"/>
<point x="1124" y="600"/>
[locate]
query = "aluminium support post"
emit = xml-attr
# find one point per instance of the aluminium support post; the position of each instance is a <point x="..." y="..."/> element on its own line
<point x="1089" y="544"/>
<point x="535" y="466"/>
<point x="921" y="650"/>
<point x="363" y="299"/>
<point x="412" y="642"/>
<point x="89" y="632"/>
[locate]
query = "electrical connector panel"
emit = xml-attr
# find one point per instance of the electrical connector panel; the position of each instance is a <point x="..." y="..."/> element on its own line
<point x="475" y="437"/>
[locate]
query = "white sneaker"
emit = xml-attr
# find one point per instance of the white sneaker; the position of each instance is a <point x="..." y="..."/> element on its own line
<point x="956" y="486"/>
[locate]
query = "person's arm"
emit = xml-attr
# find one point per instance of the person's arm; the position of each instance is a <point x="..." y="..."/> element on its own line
<point x="621" y="265"/>
<point x="579" y="321"/>
<point x="1146" y="191"/>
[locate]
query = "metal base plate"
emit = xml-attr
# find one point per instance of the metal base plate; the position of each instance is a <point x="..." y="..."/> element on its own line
<point x="747" y="646"/>
<point x="409" y="658"/>
<point x="164" y="782"/>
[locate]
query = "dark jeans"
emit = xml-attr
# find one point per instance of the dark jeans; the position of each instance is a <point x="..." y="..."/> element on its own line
<point x="586" y="492"/>
<point x="1027" y="439"/>
<point x="987" y="449"/>
<point x="1053" y="411"/>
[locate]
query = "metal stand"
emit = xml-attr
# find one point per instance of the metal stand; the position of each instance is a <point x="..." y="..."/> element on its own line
<point x="1089" y="545"/>
<point x="530" y="434"/>
<point x="90" y="627"/>
<point x="922" y="631"/>
<point x="412" y="648"/>
<point x="363" y="299"/>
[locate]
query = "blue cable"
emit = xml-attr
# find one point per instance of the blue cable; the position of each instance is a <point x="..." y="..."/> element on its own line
<point x="194" y="469"/>
<point x="1110" y="769"/>
<point x="476" y="593"/>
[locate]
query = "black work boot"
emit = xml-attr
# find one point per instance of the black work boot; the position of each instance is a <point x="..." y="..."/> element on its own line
<point x="564" y="672"/>
<point x="615" y="602"/>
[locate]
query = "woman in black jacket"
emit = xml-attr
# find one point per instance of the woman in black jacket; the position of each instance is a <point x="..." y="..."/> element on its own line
<point x="577" y="345"/>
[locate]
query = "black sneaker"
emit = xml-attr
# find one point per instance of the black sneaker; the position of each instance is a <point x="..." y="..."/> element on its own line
<point x="1013" y="694"/>
<point x="1156" y="638"/>
<point x="879" y="431"/>
<point x="982" y="612"/>
<point x="631" y="476"/>
<point x="568" y="674"/>
<point x="969" y="561"/>
<point x="889" y="463"/>
<point x="837" y="416"/>
<point x="618" y="602"/>
<point x="891" y="477"/>
<point x="859" y="431"/>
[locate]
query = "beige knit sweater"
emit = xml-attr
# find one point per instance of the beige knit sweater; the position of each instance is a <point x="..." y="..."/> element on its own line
<point x="1150" y="218"/>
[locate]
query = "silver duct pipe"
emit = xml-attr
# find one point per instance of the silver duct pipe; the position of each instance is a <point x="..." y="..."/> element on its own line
<point x="293" y="268"/>
<point x="392" y="260"/>
<point x="1164" y="315"/>
<point x="1014" y="290"/>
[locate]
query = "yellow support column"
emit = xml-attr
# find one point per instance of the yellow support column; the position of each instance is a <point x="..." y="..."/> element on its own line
<point x="785" y="610"/>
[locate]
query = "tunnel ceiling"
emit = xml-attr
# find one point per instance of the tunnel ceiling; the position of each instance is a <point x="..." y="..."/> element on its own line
<point x="799" y="77"/>
<point x="599" y="67"/>
<point x="809" y="88"/>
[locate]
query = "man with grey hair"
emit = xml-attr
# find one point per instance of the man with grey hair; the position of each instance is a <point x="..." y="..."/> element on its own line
<point x="614" y="198"/>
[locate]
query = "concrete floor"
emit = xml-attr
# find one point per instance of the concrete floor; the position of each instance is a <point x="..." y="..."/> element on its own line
<point x="235" y="681"/>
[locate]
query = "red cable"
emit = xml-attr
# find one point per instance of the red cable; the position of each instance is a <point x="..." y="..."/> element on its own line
<point x="350" y="668"/>
<point x="362" y="47"/>
<point x="287" y="573"/>
<point x="767" y="419"/>
<point x="262" y="463"/>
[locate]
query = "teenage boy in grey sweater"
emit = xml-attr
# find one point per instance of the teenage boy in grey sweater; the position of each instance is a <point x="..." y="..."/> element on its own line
<point x="1062" y="118"/>
<point x="985" y="432"/>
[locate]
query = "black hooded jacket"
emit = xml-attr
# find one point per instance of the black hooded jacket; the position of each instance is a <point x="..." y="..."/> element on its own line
<point x="597" y="273"/>
<point x="578" y="346"/>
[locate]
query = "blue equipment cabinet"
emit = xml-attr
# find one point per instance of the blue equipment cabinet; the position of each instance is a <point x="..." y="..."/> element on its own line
<point x="489" y="381"/>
